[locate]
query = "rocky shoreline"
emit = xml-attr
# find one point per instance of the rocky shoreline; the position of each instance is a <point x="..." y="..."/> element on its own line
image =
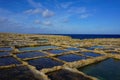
<point x="19" y="43"/>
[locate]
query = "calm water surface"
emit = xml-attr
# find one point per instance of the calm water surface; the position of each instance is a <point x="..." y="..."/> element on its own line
<point x="105" y="70"/>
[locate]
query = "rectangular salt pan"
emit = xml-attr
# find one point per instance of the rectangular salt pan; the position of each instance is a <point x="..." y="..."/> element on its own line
<point x="4" y="53"/>
<point x="104" y="70"/>
<point x="30" y="54"/>
<point x="95" y="47"/>
<point x="44" y="63"/>
<point x="72" y="49"/>
<point x="37" y="48"/>
<point x="56" y="51"/>
<point x="17" y="73"/>
<point x="5" y="49"/>
<point x="91" y="54"/>
<point x="71" y="57"/>
<point x="8" y="61"/>
<point x="66" y="75"/>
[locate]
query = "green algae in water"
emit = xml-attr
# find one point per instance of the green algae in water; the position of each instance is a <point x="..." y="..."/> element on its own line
<point x="105" y="70"/>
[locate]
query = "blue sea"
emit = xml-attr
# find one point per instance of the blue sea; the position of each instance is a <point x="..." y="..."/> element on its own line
<point x="90" y="36"/>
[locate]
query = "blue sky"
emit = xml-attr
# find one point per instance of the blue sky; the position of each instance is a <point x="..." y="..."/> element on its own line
<point x="60" y="16"/>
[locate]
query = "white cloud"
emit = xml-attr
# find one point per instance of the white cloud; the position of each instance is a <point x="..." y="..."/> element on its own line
<point x="82" y="12"/>
<point x="66" y="4"/>
<point x="39" y="9"/>
<point x="47" y="23"/>
<point x="5" y="12"/>
<point x="44" y="23"/>
<point x="35" y="4"/>
<point x="57" y="5"/>
<point x="77" y="10"/>
<point x="65" y="20"/>
<point x="6" y="25"/>
<point x="38" y="22"/>
<point x="82" y="16"/>
<point x="33" y="11"/>
<point x="47" y="13"/>
<point x="28" y="11"/>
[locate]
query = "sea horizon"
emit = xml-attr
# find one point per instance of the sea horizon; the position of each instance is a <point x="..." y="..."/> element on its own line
<point x="89" y="36"/>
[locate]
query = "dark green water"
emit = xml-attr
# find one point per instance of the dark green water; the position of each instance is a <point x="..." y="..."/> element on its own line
<point x="105" y="70"/>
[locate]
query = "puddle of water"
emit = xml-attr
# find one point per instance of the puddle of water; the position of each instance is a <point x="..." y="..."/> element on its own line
<point x="72" y="49"/>
<point x="71" y="57"/>
<point x="37" y="48"/>
<point x="44" y="63"/>
<point x="105" y="70"/>
<point x="91" y="54"/>
<point x="4" y="53"/>
<point x="5" y="49"/>
<point x="42" y="40"/>
<point x="95" y="47"/>
<point x="56" y="51"/>
<point x="18" y="73"/>
<point x="30" y="54"/>
<point x="8" y="61"/>
<point x="76" y="45"/>
<point x="66" y="75"/>
<point x="113" y="52"/>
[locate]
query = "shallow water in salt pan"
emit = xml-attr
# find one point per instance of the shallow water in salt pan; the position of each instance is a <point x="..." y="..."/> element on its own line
<point x="71" y="57"/>
<point x="30" y="54"/>
<point x="104" y="70"/>
<point x="91" y="54"/>
<point x="66" y="75"/>
<point x="4" y="53"/>
<point x="95" y="47"/>
<point x="18" y="73"/>
<point x="56" y="51"/>
<point x="44" y="63"/>
<point x="37" y="48"/>
<point x="8" y="61"/>
<point x="72" y="49"/>
<point x="5" y="49"/>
